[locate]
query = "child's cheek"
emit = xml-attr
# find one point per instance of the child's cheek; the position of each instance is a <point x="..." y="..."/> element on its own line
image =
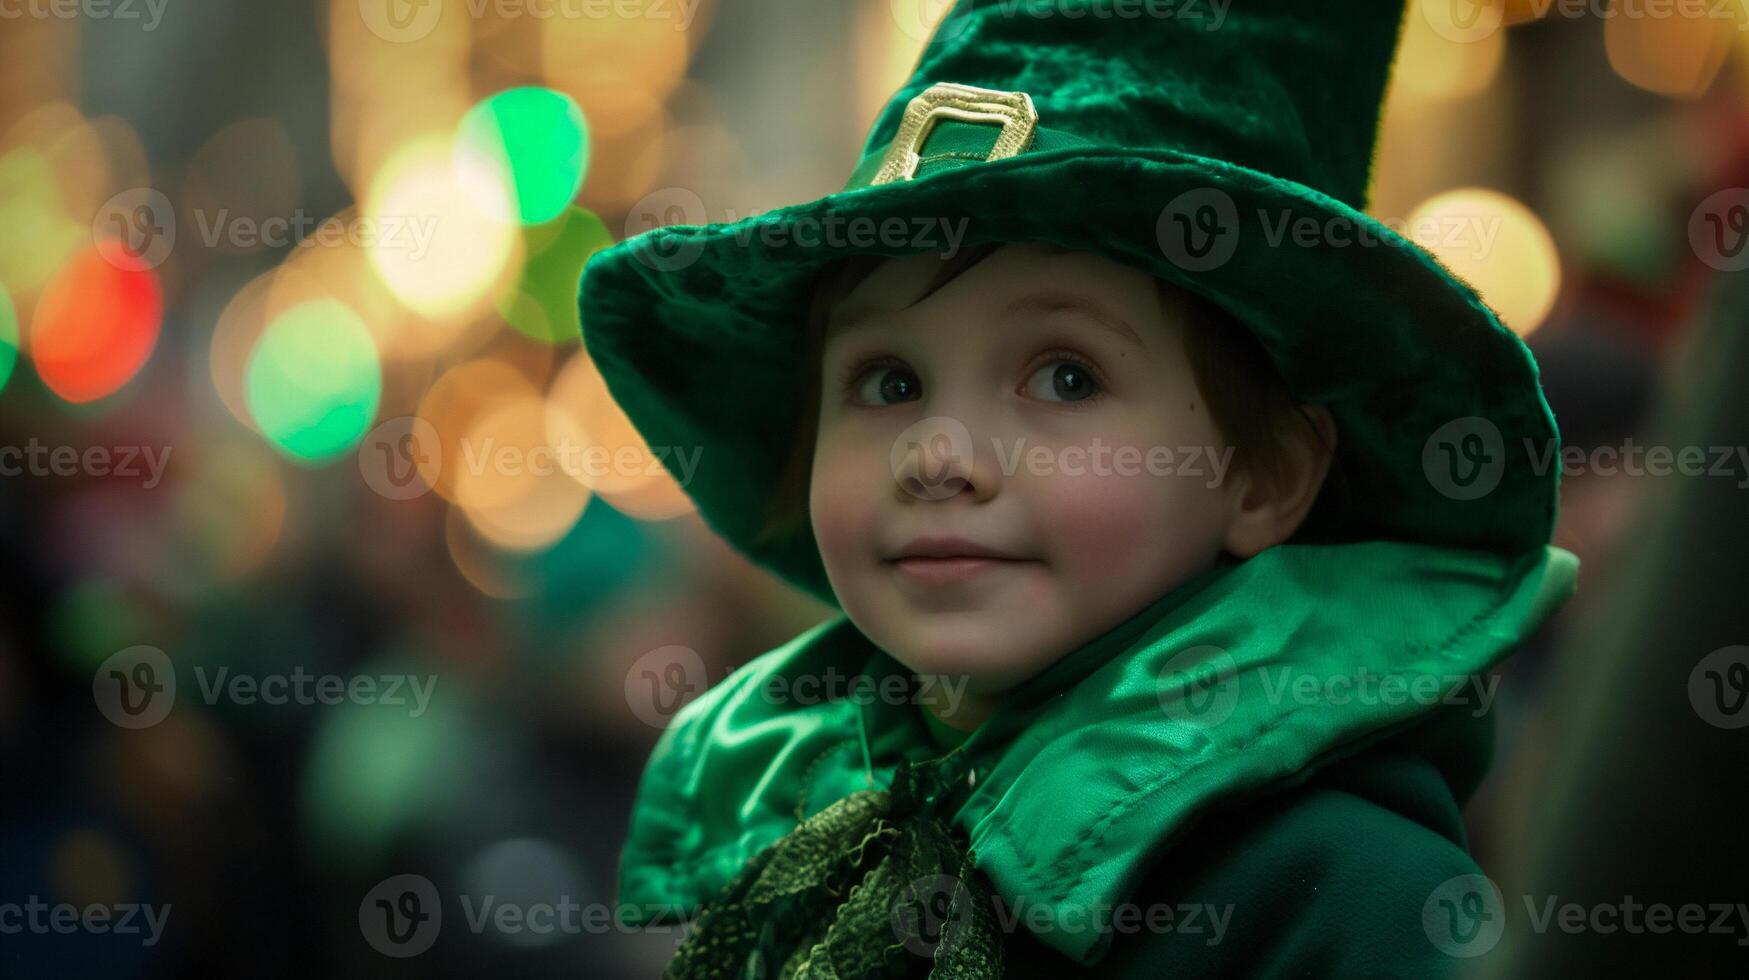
<point x="1117" y="532"/>
<point x="845" y="493"/>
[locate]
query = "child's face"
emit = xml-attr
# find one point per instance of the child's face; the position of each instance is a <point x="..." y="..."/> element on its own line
<point x="1018" y="459"/>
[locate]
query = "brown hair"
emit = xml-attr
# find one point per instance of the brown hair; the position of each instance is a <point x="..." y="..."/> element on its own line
<point x="1246" y="396"/>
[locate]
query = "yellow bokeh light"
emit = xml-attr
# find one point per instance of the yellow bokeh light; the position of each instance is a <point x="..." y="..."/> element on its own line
<point x="513" y="488"/>
<point x="490" y="571"/>
<point x="40" y="234"/>
<point x="453" y="404"/>
<point x="436" y="248"/>
<point x="1678" y="53"/>
<point x="1498" y="246"/>
<point x="612" y="456"/>
<point x="1432" y="66"/>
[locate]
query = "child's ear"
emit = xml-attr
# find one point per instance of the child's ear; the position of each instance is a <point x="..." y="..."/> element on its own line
<point x="1266" y="512"/>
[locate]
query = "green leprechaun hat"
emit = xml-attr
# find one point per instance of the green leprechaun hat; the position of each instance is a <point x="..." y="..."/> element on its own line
<point x="1179" y="144"/>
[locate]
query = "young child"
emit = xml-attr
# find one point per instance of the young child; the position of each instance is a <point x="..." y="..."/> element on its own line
<point x="1172" y="553"/>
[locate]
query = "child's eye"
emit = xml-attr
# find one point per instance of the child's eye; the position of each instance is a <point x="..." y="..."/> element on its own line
<point x="1064" y="378"/>
<point x="883" y="384"/>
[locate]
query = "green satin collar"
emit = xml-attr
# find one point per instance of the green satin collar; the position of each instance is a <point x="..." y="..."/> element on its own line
<point x="1250" y="675"/>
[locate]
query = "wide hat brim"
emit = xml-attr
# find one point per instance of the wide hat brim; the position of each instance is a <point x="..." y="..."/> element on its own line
<point x="697" y="331"/>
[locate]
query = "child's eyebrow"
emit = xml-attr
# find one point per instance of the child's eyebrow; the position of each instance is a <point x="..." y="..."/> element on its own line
<point x="1050" y="299"/>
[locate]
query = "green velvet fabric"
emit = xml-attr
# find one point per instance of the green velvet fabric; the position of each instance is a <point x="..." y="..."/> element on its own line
<point x="697" y="329"/>
<point x="1091" y="772"/>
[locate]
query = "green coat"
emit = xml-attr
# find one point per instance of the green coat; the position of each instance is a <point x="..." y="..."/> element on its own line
<point x="1282" y="744"/>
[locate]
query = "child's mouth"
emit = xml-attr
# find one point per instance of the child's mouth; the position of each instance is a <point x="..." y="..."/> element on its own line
<point x="954" y="568"/>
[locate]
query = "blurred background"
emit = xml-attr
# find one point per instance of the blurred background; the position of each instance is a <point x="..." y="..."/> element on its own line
<point x="275" y="278"/>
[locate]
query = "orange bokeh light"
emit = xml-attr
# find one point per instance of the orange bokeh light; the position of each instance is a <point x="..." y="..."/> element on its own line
<point x="96" y="323"/>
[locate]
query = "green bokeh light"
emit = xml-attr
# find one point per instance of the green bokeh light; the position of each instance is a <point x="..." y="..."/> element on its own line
<point x="539" y="139"/>
<point x="544" y="303"/>
<point x="377" y="770"/>
<point x="314" y="381"/>
<point x="8" y="336"/>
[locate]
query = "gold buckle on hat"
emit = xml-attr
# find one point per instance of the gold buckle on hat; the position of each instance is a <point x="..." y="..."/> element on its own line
<point x="1013" y="111"/>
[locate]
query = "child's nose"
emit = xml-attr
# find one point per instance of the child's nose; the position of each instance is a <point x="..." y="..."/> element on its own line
<point x="936" y="459"/>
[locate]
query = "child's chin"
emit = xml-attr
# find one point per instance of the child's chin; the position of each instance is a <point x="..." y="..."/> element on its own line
<point x="989" y="663"/>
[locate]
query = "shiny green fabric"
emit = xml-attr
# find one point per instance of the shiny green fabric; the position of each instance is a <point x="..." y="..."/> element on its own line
<point x="696" y="329"/>
<point x="1089" y="773"/>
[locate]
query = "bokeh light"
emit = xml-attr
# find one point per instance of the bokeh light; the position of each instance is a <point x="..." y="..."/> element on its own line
<point x="1432" y="66"/>
<point x="533" y="139"/>
<point x="513" y="484"/>
<point x="452" y="405"/>
<point x="40" y="234"/>
<point x="543" y="305"/>
<point x="313" y="381"/>
<point x="585" y="415"/>
<point x="375" y="770"/>
<point x="8" y="336"/>
<point x="438" y="249"/>
<point x="1498" y="246"/>
<point x="1677" y="53"/>
<point x="95" y="324"/>
<point x="495" y="573"/>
